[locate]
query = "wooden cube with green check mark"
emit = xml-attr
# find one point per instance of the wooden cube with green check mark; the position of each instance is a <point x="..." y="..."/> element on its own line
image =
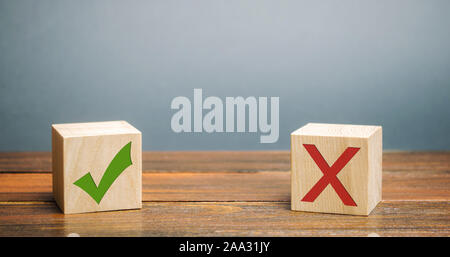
<point x="97" y="166"/>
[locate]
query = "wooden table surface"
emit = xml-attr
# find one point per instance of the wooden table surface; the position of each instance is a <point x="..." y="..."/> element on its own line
<point x="227" y="194"/>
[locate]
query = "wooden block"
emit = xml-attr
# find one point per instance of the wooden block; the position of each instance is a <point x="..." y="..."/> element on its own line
<point x="97" y="166"/>
<point x="319" y="152"/>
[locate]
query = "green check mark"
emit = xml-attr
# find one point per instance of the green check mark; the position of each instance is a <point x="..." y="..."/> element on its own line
<point x="120" y="162"/>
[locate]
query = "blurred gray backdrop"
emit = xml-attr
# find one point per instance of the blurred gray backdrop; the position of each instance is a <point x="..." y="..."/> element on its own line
<point x="378" y="62"/>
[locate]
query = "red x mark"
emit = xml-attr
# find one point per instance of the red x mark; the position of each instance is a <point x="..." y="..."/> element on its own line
<point x="329" y="174"/>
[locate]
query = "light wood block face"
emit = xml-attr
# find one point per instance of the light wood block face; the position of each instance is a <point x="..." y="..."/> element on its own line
<point x="82" y="148"/>
<point x="318" y="151"/>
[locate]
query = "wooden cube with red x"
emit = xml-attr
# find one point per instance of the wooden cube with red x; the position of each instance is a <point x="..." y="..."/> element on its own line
<point x="336" y="168"/>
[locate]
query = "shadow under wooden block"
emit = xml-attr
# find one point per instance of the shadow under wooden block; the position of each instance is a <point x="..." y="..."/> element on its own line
<point x="336" y="168"/>
<point x="97" y="166"/>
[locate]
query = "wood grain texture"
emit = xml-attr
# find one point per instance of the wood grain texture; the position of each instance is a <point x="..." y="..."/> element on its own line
<point x="41" y="162"/>
<point x="79" y="148"/>
<point x="226" y="186"/>
<point x="228" y="194"/>
<point x="226" y="219"/>
<point x="316" y="148"/>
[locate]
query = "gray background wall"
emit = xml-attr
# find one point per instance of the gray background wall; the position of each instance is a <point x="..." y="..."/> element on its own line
<point x="377" y="62"/>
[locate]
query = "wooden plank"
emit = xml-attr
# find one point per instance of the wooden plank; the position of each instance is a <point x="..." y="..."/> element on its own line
<point x="248" y="161"/>
<point x="228" y="194"/>
<point x="232" y="186"/>
<point x="25" y="161"/>
<point x="263" y="186"/>
<point x="419" y="161"/>
<point x="165" y="161"/>
<point x="409" y="218"/>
